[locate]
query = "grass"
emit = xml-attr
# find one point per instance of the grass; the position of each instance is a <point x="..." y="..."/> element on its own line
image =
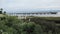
<point x="1" y="15"/>
<point x="47" y="18"/>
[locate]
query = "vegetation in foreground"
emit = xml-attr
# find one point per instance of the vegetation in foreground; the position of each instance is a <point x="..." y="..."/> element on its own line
<point x="13" y="25"/>
<point x="49" y="25"/>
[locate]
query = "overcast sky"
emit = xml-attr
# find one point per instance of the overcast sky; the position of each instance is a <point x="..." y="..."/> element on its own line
<point x="29" y="4"/>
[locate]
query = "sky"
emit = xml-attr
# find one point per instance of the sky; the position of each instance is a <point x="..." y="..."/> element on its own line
<point x="22" y="5"/>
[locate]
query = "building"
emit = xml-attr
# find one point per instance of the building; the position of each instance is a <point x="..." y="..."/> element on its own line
<point x="34" y="14"/>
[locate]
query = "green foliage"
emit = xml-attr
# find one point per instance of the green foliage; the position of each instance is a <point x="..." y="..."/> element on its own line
<point x="47" y="23"/>
<point x="12" y="25"/>
<point x="38" y="29"/>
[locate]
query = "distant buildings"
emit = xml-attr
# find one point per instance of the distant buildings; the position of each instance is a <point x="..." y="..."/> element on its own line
<point x="40" y="14"/>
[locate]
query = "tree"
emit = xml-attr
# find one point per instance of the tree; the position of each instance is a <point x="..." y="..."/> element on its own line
<point x="1" y="10"/>
<point x="4" y="12"/>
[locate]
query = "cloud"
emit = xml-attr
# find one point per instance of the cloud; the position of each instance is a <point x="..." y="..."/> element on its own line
<point x="13" y="4"/>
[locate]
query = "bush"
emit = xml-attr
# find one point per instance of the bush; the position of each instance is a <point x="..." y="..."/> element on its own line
<point x="12" y="25"/>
